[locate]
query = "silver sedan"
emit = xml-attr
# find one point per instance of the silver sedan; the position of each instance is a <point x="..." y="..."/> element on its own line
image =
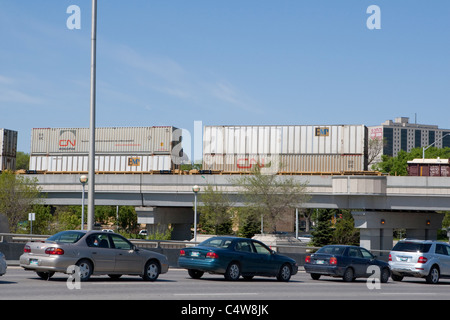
<point x="2" y="264"/>
<point x="91" y="253"/>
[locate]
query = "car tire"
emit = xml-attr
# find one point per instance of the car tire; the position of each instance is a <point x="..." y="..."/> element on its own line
<point x="433" y="276"/>
<point x="45" y="275"/>
<point x="315" y="276"/>
<point x="86" y="269"/>
<point x="285" y="273"/>
<point x="348" y="275"/>
<point x="233" y="271"/>
<point x="385" y="274"/>
<point x="151" y="270"/>
<point x="195" y="274"/>
<point x="396" y="277"/>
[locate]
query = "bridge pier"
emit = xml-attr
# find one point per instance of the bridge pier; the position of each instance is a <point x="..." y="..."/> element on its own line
<point x="158" y="219"/>
<point x="376" y="227"/>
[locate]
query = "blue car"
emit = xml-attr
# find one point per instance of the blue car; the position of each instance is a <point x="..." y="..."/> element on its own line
<point x="234" y="257"/>
<point x="348" y="262"/>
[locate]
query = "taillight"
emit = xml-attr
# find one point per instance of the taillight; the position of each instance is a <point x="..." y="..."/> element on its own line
<point x="390" y="257"/>
<point x="26" y="249"/>
<point x="333" y="260"/>
<point x="55" y="251"/>
<point x="182" y="253"/>
<point x="422" y="260"/>
<point x="212" y="255"/>
<point x="308" y="259"/>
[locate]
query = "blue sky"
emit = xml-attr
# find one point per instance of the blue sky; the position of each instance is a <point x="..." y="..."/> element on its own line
<point x="243" y="62"/>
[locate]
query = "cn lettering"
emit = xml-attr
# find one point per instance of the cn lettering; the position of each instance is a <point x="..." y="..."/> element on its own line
<point x="67" y="143"/>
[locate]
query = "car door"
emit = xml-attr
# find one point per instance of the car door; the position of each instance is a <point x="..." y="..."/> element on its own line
<point x="443" y="252"/>
<point x="247" y="256"/>
<point x="266" y="260"/>
<point x="101" y="253"/>
<point x="128" y="260"/>
<point x="357" y="261"/>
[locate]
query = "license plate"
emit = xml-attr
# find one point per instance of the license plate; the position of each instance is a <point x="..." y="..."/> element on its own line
<point x="195" y="254"/>
<point x="34" y="262"/>
<point x="320" y="261"/>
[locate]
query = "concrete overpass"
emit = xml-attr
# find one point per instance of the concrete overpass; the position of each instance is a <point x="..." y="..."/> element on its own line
<point x="379" y="203"/>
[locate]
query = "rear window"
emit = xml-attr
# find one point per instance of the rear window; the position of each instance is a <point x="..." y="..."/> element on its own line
<point x="332" y="250"/>
<point x="66" y="236"/>
<point x="412" y="247"/>
<point x="217" y="243"/>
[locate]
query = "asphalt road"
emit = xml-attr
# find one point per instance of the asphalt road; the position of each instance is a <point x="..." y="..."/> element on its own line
<point x="19" y="284"/>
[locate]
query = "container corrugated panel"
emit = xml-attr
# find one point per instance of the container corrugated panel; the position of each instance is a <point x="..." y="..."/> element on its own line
<point x="8" y="143"/>
<point x="326" y="139"/>
<point x="7" y="163"/>
<point x="285" y="162"/>
<point x="151" y="140"/>
<point x="108" y="163"/>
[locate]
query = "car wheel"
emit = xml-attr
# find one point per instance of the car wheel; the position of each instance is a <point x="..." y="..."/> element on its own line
<point x="348" y="275"/>
<point x="195" y="274"/>
<point x="433" y="276"/>
<point x="315" y="276"/>
<point x="385" y="274"/>
<point x="285" y="273"/>
<point x="45" y="275"/>
<point x="86" y="269"/>
<point x="396" y="277"/>
<point x="151" y="270"/>
<point x="233" y="271"/>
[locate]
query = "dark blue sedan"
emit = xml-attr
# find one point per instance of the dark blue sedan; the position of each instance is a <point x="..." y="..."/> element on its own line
<point x="348" y="262"/>
<point x="234" y="257"/>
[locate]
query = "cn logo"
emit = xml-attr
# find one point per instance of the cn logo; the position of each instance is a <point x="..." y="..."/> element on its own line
<point x="67" y="143"/>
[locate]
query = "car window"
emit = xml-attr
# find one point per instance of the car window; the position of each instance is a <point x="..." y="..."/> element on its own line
<point x="217" y="242"/>
<point x="354" y="253"/>
<point x="67" y="236"/>
<point x="332" y="250"/>
<point x="244" y="246"/>
<point x="98" y="240"/>
<point x="121" y="243"/>
<point x="261" y="249"/>
<point x="412" y="247"/>
<point x="442" y="249"/>
<point x="366" y="254"/>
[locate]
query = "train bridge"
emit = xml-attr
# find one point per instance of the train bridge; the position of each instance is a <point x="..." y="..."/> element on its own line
<point x="379" y="203"/>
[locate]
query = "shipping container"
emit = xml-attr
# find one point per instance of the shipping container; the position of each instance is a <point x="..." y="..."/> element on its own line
<point x="104" y="163"/>
<point x="325" y="148"/>
<point x="114" y="140"/>
<point x="288" y="163"/>
<point x="8" y="149"/>
<point x="429" y="167"/>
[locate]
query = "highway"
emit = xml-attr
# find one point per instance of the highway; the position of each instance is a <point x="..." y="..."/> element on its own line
<point x="18" y="284"/>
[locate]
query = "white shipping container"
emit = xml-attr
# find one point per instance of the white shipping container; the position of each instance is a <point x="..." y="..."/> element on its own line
<point x="106" y="163"/>
<point x="327" y="139"/>
<point x="114" y="140"/>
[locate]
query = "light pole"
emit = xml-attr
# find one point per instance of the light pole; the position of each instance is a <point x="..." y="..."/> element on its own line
<point x="196" y="189"/>
<point x="425" y="148"/>
<point x="83" y="180"/>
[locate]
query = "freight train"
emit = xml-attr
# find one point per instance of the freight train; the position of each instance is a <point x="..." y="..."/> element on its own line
<point x="289" y="149"/>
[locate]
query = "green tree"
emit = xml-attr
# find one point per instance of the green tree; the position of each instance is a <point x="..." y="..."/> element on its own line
<point x="271" y="195"/>
<point x="22" y="160"/>
<point x="323" y="233"/>
<point x="18" y="194"/>
<point x="215" y="211"/>
<point x="344" y="229"/>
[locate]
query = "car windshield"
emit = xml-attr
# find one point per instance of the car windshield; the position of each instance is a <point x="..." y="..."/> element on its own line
<point x="332" y="250"/>
<point x="217" y="243"/>
<point x="67" y="236"/>
<point x="412" y="247"/>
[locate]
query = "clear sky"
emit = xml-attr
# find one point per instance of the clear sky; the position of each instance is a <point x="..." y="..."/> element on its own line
<point x="243" y="62"/>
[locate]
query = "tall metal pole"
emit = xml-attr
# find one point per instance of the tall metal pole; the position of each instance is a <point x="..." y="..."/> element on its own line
<point x="91" y="173"/>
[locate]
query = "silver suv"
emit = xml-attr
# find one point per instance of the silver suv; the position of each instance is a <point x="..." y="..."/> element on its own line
<point x="420" y="258"/>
